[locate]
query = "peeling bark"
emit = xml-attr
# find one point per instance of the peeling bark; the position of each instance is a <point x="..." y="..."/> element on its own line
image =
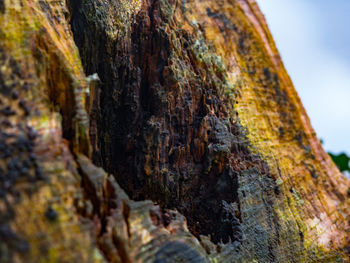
<point x="184" y="104"/>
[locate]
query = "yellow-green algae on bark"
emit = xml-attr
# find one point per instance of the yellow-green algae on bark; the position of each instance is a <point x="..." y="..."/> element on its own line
<point x="39" y="63"/>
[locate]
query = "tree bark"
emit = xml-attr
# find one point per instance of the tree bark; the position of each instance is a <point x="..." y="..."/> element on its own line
<point x="184" y="104"/>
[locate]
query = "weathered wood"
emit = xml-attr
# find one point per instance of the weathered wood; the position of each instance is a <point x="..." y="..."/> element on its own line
<point x="187" y="104"/>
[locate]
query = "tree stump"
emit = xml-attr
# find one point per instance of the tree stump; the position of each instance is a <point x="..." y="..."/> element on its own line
<point x="158" y="131"/>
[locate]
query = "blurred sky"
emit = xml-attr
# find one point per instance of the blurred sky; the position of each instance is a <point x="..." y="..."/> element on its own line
<point x="313" y="37"/>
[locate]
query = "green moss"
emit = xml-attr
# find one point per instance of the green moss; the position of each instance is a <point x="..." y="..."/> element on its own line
<point x="114" y="17"/>
<point x="167" y="10"/>
<point x="297" y="197"/>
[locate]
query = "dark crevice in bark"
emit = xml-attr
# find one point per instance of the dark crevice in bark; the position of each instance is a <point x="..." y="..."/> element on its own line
<point x="2" y="6"/>
<point x="172" y="143"/>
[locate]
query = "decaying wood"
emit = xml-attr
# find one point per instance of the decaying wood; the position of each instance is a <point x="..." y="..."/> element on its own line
<point x="184" y="104"/>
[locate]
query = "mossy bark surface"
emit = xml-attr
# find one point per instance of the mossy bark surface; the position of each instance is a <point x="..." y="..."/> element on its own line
<point x="158" y="131"/>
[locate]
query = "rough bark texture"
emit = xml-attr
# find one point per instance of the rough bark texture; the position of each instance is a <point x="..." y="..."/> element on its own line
<point x="187" y="106"/>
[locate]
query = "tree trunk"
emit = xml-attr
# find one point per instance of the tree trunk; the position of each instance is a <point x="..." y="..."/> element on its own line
<point x="184" y="104"/>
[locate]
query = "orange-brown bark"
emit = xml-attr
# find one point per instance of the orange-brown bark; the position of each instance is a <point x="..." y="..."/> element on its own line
<point x="184" y="104"/>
